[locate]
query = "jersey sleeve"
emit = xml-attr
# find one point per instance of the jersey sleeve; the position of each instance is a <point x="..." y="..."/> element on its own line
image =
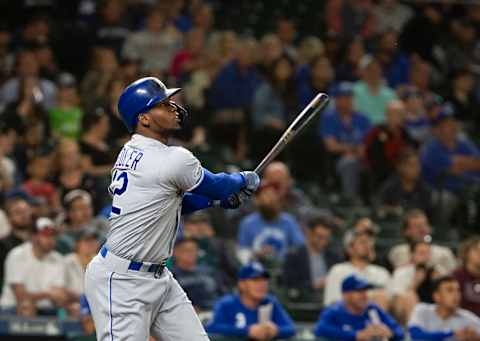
<point x="185" y="169"/>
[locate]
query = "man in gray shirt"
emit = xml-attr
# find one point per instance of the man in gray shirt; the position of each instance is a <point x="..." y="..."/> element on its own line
<point x="444" y="320"/>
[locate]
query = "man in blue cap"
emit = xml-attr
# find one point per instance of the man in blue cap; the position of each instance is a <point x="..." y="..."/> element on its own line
<point x="252" y="313"/>
<point x="342" y="131"/>
<point x="355" y="318"/>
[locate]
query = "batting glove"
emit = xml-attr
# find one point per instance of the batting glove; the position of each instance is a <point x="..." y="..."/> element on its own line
<point x="252" y="182"/>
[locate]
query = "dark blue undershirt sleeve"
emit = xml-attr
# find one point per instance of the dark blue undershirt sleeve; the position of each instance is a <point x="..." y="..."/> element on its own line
<point x="194" y="202"/>
<point x="219" y="186"/>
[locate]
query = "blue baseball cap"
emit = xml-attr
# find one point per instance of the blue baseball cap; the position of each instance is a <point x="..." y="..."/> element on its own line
<point x="343" y="89"/>
<point x="253" y="270"/>
<point x="355" y="283"/>
<point x="447" y="112"/>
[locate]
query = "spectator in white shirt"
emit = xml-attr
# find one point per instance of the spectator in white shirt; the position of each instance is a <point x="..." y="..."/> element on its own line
<point x="86" y="247"/>
<point x="360" y="252"/>
<point x="416" y="227"/>
<point x="444" y="320"/>
<point x="412" y="283"/>
<point x="35" y="274"/>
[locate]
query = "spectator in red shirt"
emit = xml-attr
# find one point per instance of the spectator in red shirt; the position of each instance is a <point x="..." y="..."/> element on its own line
<point x="385" y="142"/>
<point x="190" y="58"/>
<point x="468" y="275"/>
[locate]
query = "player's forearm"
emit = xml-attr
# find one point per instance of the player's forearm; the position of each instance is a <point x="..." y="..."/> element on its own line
<point x="219" y="186"/>
<point x="194" y="202"/>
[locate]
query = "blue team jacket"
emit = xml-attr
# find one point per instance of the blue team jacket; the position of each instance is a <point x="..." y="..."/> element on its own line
<point x="232" y="318"/>
<point x="337" y="323"/>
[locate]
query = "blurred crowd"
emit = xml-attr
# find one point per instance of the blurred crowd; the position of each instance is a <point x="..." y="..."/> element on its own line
<point x="371" y="211"/>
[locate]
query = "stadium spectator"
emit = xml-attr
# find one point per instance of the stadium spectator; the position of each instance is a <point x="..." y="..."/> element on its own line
<point x="103" y="69"/>
<point x="444" y="320"/>
<point x="416" y="121"/>
<point x="20" y="218"/>
<point x="111" y="26"/>
<point x="214" y="253"/>
<point x="8" y="167"/>
<point x="462" y="98"/>
<point x="65" y="117"/>
<point x="271" y="50"/>
<point x="201" y="284"/>
<point x="23" y="285"/>
<point x="305" y="268"/>
<point x="370" y="94"/>
<point x="251" y="313"/>
<point x="468" y="274"/>
<point x="97" y="157"/>
<point x="412" y="283"/>
<point x="450" y="161"/>
<point x="405" y="189"/>
<point x="391" y="15"/>
<point x="394" y="63"/>
<point x="268" y="233"/>
<point x="286" y="31"/>
<point x="273" y="103"/>
<point x="343" y="130"/>
<point x="38" y="183"/>
<point x="79" y="216"/>
<point x="348" y="69"/>
<point x="26" y="67"/>
<point x="69" y="174"/>
<point x="318" y="77"/>
<point x="47" y="64"/>
<point x="350" y="19"/>
<point x="86" y="247"/>
<point x="231" y="96"/>
<point x="355" y="317"/>
<point x="156" y="45"/>
<point x="191" y="58"/>
<point x="359" y="249"/>
<point x="309" y="49"/>
<point x="385" y="142"/>
<point x="416" y="227"/>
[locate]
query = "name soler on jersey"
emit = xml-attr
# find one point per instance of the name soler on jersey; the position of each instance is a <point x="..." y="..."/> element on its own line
<point x="128" y="158"/>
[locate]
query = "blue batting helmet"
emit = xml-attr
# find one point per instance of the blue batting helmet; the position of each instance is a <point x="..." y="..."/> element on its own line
<point x="139" y="97"/>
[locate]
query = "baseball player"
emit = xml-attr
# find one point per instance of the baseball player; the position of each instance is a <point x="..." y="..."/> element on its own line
<point x="131" y="293"/>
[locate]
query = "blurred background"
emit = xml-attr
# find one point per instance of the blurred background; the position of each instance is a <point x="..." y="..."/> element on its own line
<point x="393" y="159"/>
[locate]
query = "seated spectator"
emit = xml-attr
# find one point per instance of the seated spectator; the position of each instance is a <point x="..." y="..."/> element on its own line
<point x="156" y="45"/>
<point x="468" y="274"/>
<point x="412" y="283"/>
<point x="371" y="95"/>
<point x="316" y="78"/>
<point x="395" y="64"/>
<point x="271" y="49"/>
<point x="79" y="216"/>
<point x="348" y="68"/>
<point x="200" y="283"/>
<point x="273" y="104"/>
<point x="252" y="313"/>
<point x="231" y="96"/>
<point x="19" y="215"/>
<point x="306" y="266"/>
<point x="405" y="190"/>
<point x="38" y="184"/>
<point x="110" y="28"/>
<point x="416" y="120"/>
<point x="450" y="161"/>
<point x="416" y="228"/>
<point x="8" y="167"/>
<point x="444" y="320"/>
<point x="268" y="233"/>
<point x="360" y="254"/>
<point x="462" y="98"/>
<point x="66" y="116"/>
<point x="391" y="15"/>
<point x="385" y="142"/>
<point x="97" y="157"/>
<point x="213" y="252"/>
<point x="191" y="58"/>
<point x="35" y="273"/>
<point x="355" y="318"/>
<point x="86" y="247"/>
<point x="343" y="131"/>
<point x="27" y="67"/>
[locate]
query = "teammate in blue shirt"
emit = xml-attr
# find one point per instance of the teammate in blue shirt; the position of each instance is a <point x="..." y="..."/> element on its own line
<point x="355" y="318"/>
<point x="252" y="313"/>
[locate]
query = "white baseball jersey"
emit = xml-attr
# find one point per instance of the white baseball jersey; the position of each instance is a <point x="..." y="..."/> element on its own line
<point x="149" y="179"/>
